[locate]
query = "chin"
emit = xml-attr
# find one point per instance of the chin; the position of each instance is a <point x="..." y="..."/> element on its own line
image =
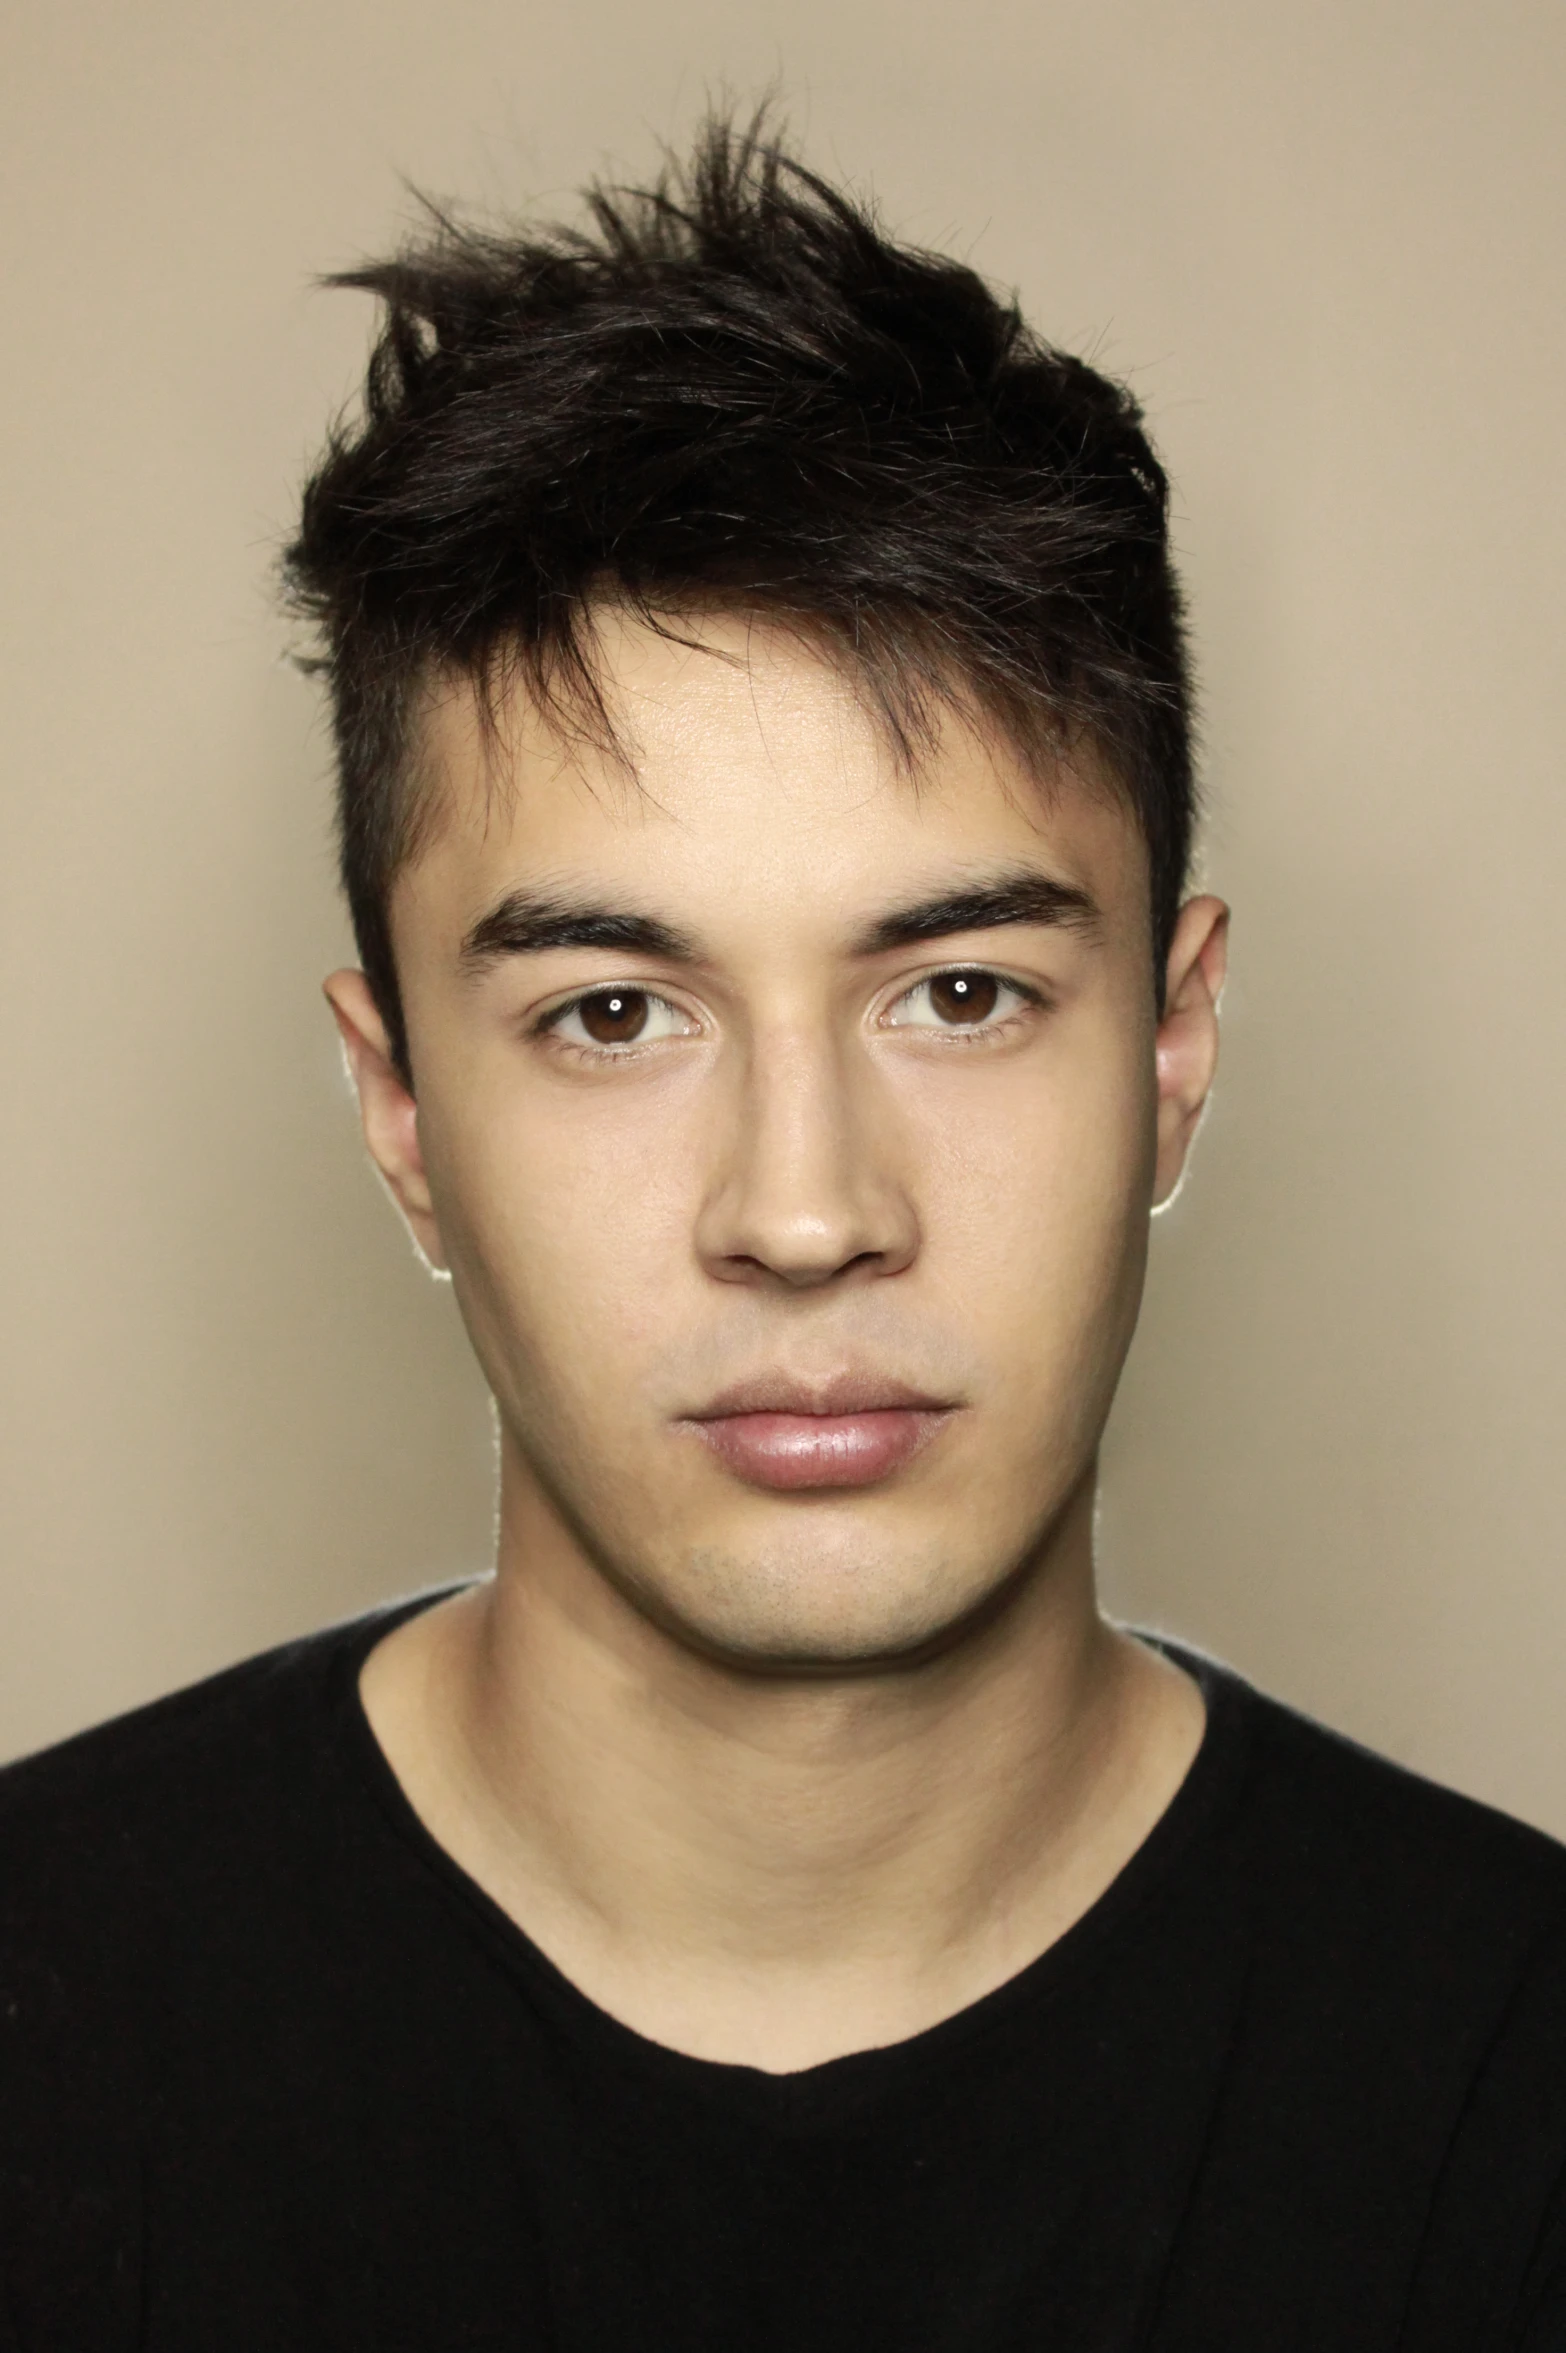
<point x="786" y="1618"/>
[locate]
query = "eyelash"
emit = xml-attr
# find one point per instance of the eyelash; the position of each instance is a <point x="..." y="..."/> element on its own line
<point x="979" y="1032"/>
<point x="586" y="1050"/>
<point x="954" y="1033"/>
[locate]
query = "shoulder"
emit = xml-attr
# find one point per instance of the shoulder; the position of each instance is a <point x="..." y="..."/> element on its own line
<point x="182" y="1758"/>
<point x="167" y="1828"/>
<point x="166" y="1880"/>
<point x="1370" y="1832"/>
<point x="1408" y="1991"/>
<point x="143" y="1775"/>
<point x="1405" y="1940"/>
<point x="160" y="1882"/>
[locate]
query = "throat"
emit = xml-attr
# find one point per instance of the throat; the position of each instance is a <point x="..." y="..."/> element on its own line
<point x="774" y="1885"/>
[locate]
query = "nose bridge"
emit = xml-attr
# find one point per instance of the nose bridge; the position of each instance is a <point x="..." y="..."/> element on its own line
<point x="806" y="1183"/>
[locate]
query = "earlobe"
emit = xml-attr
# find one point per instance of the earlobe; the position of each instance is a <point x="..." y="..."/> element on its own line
<point x="387" y="1110"/>
<point x="1187" y="1045"/>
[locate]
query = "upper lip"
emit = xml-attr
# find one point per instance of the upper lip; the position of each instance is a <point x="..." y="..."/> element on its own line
<point x="840" y="1393"/>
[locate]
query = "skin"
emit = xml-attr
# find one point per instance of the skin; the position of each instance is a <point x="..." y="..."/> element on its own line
<point x="774" y="1773"/>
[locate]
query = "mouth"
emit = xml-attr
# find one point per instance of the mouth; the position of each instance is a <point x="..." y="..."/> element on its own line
<point x="849" y="1432"/>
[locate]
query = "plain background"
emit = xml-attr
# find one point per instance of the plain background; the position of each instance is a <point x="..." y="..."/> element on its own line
<point x="1324" y="244"/>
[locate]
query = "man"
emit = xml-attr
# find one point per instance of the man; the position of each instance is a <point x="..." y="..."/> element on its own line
<point x="775" y="1909"/>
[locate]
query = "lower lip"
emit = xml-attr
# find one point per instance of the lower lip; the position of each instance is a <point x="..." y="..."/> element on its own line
<point x="792" y="1450"/>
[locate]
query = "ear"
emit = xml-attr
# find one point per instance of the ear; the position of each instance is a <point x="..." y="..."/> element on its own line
<point x="387" y="1110"/>
<point x="1187" y="1051"/>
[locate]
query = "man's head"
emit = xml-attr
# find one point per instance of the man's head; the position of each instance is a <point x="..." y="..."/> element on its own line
<point x="738" y="391"/>
<point x="766" y="800"/>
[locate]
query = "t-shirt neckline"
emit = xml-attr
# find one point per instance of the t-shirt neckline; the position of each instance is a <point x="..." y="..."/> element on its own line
<point x="1209" y="1788"/>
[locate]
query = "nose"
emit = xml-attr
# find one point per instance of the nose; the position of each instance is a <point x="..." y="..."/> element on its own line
<point x="805" y="1189"/>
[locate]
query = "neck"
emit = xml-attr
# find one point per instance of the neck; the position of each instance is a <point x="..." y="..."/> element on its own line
<point x="775" y="1868"/>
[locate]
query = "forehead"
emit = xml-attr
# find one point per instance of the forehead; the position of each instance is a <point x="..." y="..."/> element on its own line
<point x="749" y="778"/>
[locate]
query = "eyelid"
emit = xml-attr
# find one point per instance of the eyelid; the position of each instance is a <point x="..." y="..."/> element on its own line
<point x="1029" y="993"/>
<point x="549" y="1022"/>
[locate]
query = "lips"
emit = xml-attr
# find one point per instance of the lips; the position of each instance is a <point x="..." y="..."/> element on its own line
<point x="849" y="1432"/>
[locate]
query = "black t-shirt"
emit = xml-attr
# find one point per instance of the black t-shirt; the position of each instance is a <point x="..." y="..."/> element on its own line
<point x="274" y="2073"/>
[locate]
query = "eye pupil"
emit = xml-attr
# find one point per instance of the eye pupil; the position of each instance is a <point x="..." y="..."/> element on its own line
<point x="964" y="996"/>
<point x="614" y="1017"/>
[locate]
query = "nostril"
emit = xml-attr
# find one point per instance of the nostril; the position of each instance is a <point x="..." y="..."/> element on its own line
<point x="779" y="1273"/>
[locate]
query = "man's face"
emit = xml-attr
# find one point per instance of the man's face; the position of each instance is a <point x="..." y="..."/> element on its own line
<point x="789" y="1127"/>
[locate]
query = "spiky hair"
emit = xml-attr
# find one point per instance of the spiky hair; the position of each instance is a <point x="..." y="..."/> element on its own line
<point x="733" y="386"/>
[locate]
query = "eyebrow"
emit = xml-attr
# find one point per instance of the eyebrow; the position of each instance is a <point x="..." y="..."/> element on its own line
<point x="1020" y="895"/>
<point x="529" y="923"/>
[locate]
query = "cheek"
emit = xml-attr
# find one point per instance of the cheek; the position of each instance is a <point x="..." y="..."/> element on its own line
<point x="1037" y="1200"/>
<point x="564" y="1233"/>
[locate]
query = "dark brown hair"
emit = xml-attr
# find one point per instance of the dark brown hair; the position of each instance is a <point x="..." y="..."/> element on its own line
<point x="734" y="386"/>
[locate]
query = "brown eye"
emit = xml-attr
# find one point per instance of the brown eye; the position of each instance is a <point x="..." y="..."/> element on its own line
<point x="614" y="1017"/>
<point x="964" y="996"/>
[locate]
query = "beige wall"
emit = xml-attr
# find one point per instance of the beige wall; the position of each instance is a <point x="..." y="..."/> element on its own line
<point x="1325" y="242"/>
